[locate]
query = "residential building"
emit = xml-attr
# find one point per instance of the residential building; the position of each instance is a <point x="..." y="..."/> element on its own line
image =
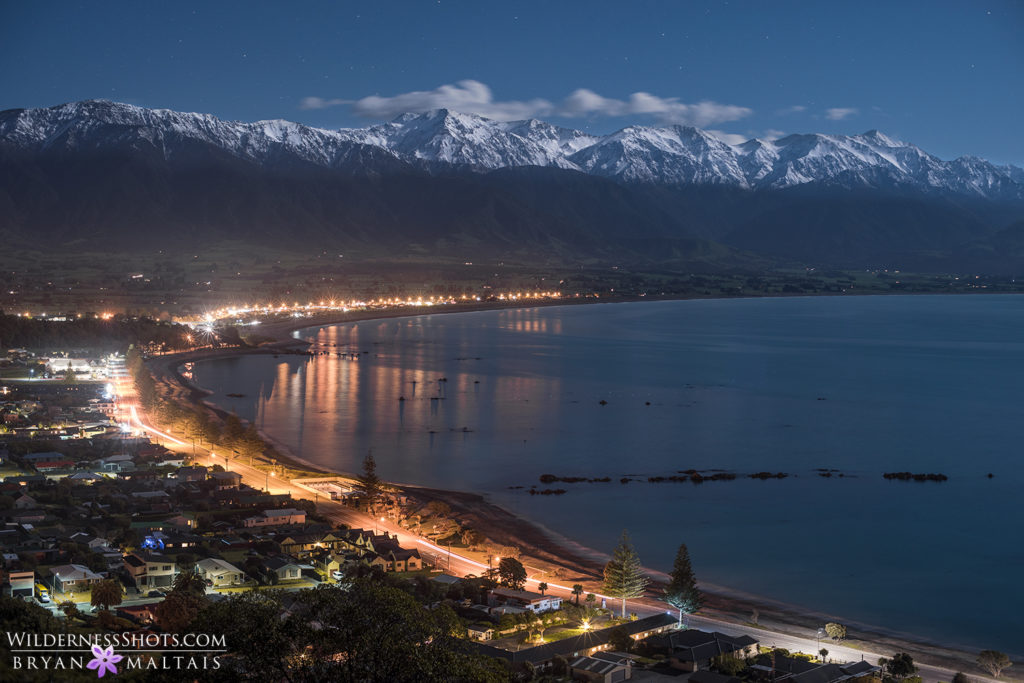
<point x="275" y="517"/>
<point x="150" y="570"/>
<point x="284" y="567"/>
<point x="220" y="572"/>
<point x="694" y="650"/>
<point x="523" y="601"/>
<point x="225" y="480"/>
<point x="68" y="578"/>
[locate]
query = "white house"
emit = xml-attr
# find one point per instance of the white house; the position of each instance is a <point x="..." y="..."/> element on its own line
<point x="524" y="600"/>
<point x="276" y="518"/>
<point x="219" y="572"/>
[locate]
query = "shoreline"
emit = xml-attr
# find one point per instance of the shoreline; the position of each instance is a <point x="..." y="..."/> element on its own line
<point x="557" y="554"/>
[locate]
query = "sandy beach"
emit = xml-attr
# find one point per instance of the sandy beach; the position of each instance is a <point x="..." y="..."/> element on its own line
<point x="541" y="548"/>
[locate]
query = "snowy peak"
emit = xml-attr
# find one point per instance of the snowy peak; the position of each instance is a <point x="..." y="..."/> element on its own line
<point x="441" y="135"/>
<point x="636" y="154"/>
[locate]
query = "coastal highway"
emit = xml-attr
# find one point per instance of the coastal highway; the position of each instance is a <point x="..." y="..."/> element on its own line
<point x="458" y="565"/>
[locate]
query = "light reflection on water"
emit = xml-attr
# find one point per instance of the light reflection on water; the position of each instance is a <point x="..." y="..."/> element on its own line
<point x="864" y="385"/>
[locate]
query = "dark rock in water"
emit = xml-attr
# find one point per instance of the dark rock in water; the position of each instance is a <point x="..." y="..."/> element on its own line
<point x="603" y="402"/>
<point x="990" y="475"/>
<point x="647" y="404"/>
<point x="908" y="476"/>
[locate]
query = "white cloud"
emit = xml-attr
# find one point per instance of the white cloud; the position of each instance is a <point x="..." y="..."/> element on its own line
<point x="795" y="109"/>
<point x="475" y="97"/>
<point x="773" y="134"/>
<point x="839" y="113"/>
<point x="728" y="138"/>
<point x="320" y="103"/>
<point x="465" y="96"/>
<point x="585" y="102"/>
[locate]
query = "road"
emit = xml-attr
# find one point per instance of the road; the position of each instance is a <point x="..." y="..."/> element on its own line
<point x="459" y="565"/>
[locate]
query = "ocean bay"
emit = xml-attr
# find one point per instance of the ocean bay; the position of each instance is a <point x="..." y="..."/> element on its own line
<point x="862" y="385"/>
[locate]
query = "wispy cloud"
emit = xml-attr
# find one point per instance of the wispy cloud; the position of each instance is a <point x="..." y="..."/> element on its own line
<point x="728" y="138"/>
<point x="320" y="103"/>
<point x="795" y="109"/>
<point x="839" y="113"/>
<point x="475" y="97"/>
<point x="465" y="96"/>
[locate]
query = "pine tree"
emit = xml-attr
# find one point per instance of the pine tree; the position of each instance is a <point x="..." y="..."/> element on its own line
<point x="681" y="591"/>
<point x="368" y="482"/>
<point x="623" y="576"/>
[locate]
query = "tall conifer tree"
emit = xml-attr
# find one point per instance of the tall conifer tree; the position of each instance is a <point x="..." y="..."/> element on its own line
<point x="681" y="591"/>
<point x="623" y="576"/>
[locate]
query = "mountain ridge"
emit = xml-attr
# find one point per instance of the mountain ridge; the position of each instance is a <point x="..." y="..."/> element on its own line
<point x="452" y="185"/>
<point x="673" y="155"/>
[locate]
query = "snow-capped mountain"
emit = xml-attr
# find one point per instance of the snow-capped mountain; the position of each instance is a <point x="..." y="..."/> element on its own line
<point x="671" y="155"/>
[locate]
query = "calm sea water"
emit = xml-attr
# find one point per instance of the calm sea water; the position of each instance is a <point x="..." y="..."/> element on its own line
<point x="863" y="385"/>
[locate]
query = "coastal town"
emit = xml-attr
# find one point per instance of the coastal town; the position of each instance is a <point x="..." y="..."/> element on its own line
<point x="114" y="524"/>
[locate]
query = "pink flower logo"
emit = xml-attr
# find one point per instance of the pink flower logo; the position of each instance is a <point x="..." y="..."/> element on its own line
<point x="104" y="660"/>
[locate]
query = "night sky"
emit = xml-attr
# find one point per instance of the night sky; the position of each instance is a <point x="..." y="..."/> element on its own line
<point x="948" y="76"/>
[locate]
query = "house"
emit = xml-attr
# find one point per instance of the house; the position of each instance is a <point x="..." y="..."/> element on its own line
<point x="225" y="480"/>
<point x="48" y="456"/>
<point x="284" y="567"/>
<point x="219" y="572"/>
<point x="195" y="473"/>
<point x="397" y="559"/>
<point x="480" y="632"/>
<point x="150" y="570"/>
<point x="275" y="517"/>
<point x="603" y="667"/>
<point x="588" y="644"/>
<point x="121" y="462"/>
<point x="795" y="670"/>
<point x="694" y="650"/>
<point x="20" y="583"/>
<point x="85" y="478"/>
<point x="24" y="502"/>
<point x="141" y="614"/>
<point x="523" y="601"/>
<point x="73" y="577"/>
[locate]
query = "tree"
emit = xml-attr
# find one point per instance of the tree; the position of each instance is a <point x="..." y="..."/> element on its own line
<point x="835" y="631"/>
<point x="824" y="653"/>
<point x="577" y="590"/>
<point x="368" y="482"/>
<point x="591" y="599"/>
<point x="728" y="665"/>
<point x="542" y="587"/>
<point x="960" y="677"/>
<point x="681" y="591"/>
<point x="900" y="666"/>
<point x="512" y="573"/>
<point x="471" y="538"/>
<point x="623" y="576"/>
<point x="189" y="581"/>
<point x="439" y="508"/>
<point x="560" y="666"/>
<point x="234" y="431"/>
<point x="106" y="593"/>
<point x="993" y="661"/>
<point x="70" y="609"/>
<point x="176" y="611"/>
<point x="620" y="640"/>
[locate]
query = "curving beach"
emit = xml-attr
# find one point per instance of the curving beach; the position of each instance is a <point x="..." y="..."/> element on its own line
<point x="547" y="549"/>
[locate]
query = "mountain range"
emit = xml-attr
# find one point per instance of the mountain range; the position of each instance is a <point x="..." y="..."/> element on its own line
<point x="443" y="181"/>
